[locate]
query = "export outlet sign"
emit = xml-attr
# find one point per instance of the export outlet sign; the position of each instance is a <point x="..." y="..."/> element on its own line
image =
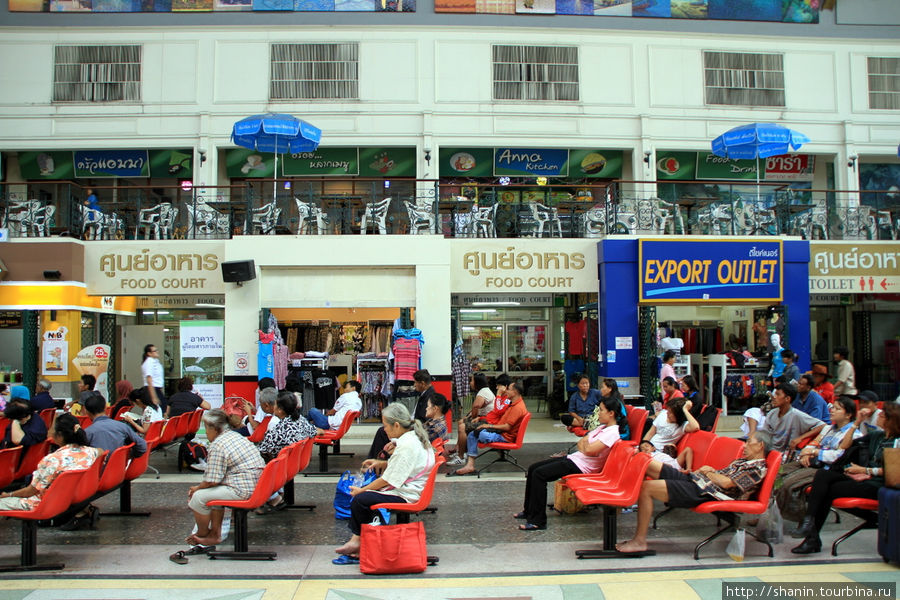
<point x="710" y="272"/>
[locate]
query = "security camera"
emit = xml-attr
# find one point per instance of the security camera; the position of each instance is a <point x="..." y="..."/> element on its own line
<point x="427" y="155"/>
<point x="202" y="153"/>
<point x="647" y="155"/>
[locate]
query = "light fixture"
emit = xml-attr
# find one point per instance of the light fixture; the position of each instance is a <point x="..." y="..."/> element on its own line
<point x="209" y="305"/>
<point x="202" y="153"/>
<point x="427" y="155"/>
<point x="504" y="181"/>
<point x="52" y="275"/>
<point x="647" y="156"/>
<point x="287" y="185"/>
<point x="541" y="181"/>
<point x="851" y="161"/>
<point x="478" y="310"/>
<point x="495" y="303"/>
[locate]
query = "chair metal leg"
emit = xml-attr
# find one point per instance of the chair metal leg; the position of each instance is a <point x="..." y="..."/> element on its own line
<point x="864" y="525"/>
<point x="241" y="551"/>
<point x="667" y="510"/>
<point x="610" y="530"/>
<point x="289" y="497"/>
<point x="28" y="560"/>
<point x="125" y="504"/>
<point x="504" y="457"/>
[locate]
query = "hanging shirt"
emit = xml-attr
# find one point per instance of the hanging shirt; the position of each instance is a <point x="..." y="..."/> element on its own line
<point x="577" y="332"/>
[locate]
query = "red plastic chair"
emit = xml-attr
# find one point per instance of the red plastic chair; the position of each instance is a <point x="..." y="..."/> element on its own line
<point x="622" y="493"/>
<point x="55" y="501"/>
<point x="298" y="459"/>
<point x="619" y="455"/>
<point x="505" y="447"/>
<point x="184" y="425"/>
<point x="268" y="483"/>
<point x="332" y="437"/>
<point x="135" y="469"/>
<point x="33" y="455"/>
<point x="636" y="419"/>
<point x="47" y="416"/>
<point x="726" y="510"/>
<point x="114" y="470"/>
<point x="90" y="481"/>
<point x="153" y="435"/>
<point x="699" y="442"/>
<point x="404" y="509"/>
<point x="168" y="432"/>
<point x="194" y="424"/>
<point x="122" y="410"/>
<point x="722" y="452"/>
<point x="84" y="420"/>
<point x="857" y="507"/>
<point x="260" y="432"/>
<point x="9" y="463"/>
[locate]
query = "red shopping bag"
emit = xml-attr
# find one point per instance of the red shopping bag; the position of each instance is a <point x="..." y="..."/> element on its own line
<point x="390" y="549"/>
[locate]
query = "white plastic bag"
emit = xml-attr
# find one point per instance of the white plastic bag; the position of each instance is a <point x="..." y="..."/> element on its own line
<point x="735" y="547"/>
<point x="771" y="524"/>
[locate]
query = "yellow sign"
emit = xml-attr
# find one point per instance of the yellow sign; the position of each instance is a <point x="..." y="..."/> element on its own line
<point x="40" y="296"/>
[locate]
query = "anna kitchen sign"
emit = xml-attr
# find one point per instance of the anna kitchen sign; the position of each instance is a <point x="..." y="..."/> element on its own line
<point x="133" y="268"/>
<point x="479" y="266"/>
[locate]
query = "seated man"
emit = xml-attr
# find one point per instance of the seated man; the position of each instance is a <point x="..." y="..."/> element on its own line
<point x="788" y="426"/>
<point x="85" y="389"/>
<point x="42" y="399"/>
<point x="737" y="481"/>
<point x="233" y="467"/>
<point x="436" y="418"/>
<point x="349" y="401"/>
<point x="505" y="430"/>
<point x="267" y="398"/>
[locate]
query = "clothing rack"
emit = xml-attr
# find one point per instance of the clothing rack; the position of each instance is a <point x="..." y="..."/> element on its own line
<point x="373" y="374"/>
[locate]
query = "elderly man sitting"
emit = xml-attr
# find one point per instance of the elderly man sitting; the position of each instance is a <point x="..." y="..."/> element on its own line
<point x="233" y="468"/>
<point x="737" y="481"/>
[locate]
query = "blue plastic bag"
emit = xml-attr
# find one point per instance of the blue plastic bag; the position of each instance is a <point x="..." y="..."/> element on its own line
<point x="342" y="497"/>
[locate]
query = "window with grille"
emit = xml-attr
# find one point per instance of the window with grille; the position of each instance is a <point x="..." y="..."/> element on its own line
<point x="314" y="71"/>
<point x="97" y="74"/>
<point x="884" y="83"/>
<point x="536" y="73"/>
<point x="743" y="79"/>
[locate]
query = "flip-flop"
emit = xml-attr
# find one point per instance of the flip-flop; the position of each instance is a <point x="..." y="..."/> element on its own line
<point x="519" y="515"/>
<point x="455" y="474"/>
<point x="199" y="549"/>
<point x="345" y="559"/>
<point x="179" y="558"/>
<point x="531" y="527"/>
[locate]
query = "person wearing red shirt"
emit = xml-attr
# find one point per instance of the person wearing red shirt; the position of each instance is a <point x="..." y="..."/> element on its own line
<point x="823" y="387"/>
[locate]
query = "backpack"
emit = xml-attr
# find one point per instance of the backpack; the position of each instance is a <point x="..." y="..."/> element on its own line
<point x="190" y="453"/>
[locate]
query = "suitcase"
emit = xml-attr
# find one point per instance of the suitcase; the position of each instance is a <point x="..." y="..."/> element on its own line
<point x="889" y="524"/>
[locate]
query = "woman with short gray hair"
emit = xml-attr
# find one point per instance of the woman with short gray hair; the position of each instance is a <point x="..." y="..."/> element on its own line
<point x="403" y="475"/>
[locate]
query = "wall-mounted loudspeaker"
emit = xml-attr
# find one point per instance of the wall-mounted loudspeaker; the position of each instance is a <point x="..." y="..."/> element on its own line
<point x="238" y="271"/>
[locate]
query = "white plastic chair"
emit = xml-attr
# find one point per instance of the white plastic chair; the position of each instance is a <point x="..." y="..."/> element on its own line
<point x="593" y="222"/>
<point x="28" y="217"/>
<point x="808" y="222"/>
<point x="376" y="212"/>
<point x="265" y="218"/>
<point x="205" y="222"/>
<point x="310" y="213"/>
<point x="544" y="215"/>
<point x="421" y="217"/>
<point x="484" y="221"/>
<point x="96" y="225"/>
<point x="158" y="222"/>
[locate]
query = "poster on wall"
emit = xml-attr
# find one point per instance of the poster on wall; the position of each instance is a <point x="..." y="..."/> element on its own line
<point x="94" y="360"/>
<point x="203" y="358"/>
<point x="55" y="352"/>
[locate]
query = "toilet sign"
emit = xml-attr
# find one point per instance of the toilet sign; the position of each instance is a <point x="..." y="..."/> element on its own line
<point x="241" y="363"/>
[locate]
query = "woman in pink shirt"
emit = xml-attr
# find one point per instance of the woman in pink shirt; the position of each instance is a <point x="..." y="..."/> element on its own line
<point x="590" y="458"/>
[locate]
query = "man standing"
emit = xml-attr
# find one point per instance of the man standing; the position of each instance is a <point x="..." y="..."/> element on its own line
<point x="504" y="430"/>
<point x="809" y="401"/>
<point x="787" y="426"/>
<point x="42" y="399"/>
<point x="349" y="401"/>
<point x="233" y="467"/>
<point x="791" y="371"/>
<point x="822" y="386"/>
<point x="846" y="374"/>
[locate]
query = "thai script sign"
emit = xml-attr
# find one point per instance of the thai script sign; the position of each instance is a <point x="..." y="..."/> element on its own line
<point x="132" y="268"/>
<point x="202" y="351"/>
<point x="111" y="163"/>
<point x="854" y="267"/>
<point x="710" y="272"/>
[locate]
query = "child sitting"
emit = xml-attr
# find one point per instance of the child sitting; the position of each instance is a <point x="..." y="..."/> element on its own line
<point x="669" y="455"/>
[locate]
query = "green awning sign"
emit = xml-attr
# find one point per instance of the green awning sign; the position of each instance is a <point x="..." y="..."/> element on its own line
<point x="322" y="161"/>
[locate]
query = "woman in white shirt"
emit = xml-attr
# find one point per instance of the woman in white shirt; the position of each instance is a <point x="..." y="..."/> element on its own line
<point x="152" y="374"/>
<point x="149" y="408"/>
<point x="672" y="423"/>
<point x="403" y="475"/>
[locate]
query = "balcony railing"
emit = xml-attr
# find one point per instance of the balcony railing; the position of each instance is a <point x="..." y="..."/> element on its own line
<point x="360" y="207"/>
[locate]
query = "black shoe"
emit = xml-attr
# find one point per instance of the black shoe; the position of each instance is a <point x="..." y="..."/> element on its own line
<point x="803" y="529"/>
<point x="93" y="516"/>
<point x="76" y="523"/>
<point x="810" y="545"/>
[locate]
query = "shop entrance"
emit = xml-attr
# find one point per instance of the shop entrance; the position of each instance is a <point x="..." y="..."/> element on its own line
<point x="518" y="349"/>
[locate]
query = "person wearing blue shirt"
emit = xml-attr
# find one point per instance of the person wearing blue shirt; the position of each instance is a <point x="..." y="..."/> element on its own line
<point x="42" y="399"/>
<point x="791" y="371"/>
<point x="582" y="403"/>
<point x="809" y="401"/>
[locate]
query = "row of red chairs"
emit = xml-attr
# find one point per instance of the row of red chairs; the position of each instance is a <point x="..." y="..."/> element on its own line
<point x="619" y="486"/>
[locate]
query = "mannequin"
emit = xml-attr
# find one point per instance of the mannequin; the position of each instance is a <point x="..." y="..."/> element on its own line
<point x="777" y="367"/>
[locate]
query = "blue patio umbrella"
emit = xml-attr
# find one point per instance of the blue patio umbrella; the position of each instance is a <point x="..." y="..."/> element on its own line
<point x="277" y="133"/>
<point x="757" y="140"/>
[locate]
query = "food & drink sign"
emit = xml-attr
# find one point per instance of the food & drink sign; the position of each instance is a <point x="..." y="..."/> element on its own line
<point x="710" y="272"/>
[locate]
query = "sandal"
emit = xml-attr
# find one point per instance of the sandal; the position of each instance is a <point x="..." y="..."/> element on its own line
<point x="345" y="559"/>
<point x="531" y="527"/>
<point x="179" y="558"/>
<point x="199" y="549"/>
<point x="519" y="515"/>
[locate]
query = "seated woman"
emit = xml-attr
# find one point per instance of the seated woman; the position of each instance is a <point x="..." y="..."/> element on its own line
<point x="581" y="403"/>
<point x="590" y="458"/>
<point x="25" y="428"/>
<point x="496" y="406"/>
<point x="403" y="475"/>
<point x="856" y="480"/>
<point x="672" y="423"/>
<point x="828" y="446"/>
<point x="123" y="397"/>
<point x="608" y="389"/>
<point x="147" y="405"/>
<point x="74" y="453"/>
<point x="290" y="429"/>
<point x="436" y="415"/>
<point x="737" y="481"/>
